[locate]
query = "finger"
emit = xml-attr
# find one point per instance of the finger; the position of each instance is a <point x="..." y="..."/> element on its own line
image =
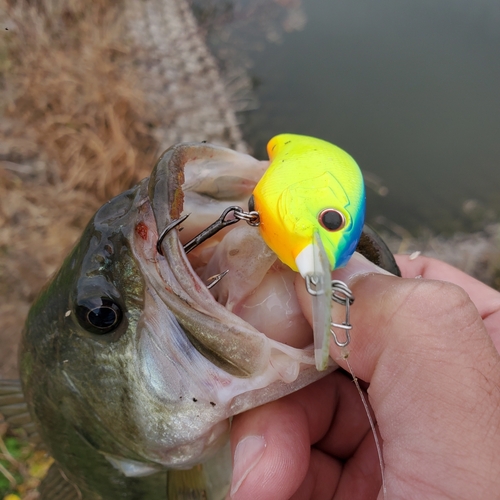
<point x="285" y="430"/>
<point x="359" y="478"/>
<point x="349" y="425"/>
<point x="319" y="482"/>
<point x="328" y="413"/>
<point x="342" y="464"/>
<point x="486" y="299"/>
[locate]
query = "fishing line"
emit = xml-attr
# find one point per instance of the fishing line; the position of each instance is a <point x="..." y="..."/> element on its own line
<point x="345" y="355"/>
<point x="343" y="295"/>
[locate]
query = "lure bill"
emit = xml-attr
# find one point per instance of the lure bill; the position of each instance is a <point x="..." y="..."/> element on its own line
<point x="321" y="304"/>
<point x="323" y="290"/>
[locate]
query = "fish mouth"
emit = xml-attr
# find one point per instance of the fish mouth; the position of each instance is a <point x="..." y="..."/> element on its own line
<point x="206" y="355"/>
<point x="250" y="324"/>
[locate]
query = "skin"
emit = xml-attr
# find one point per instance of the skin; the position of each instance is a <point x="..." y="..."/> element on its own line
<point x="427" y="350"/>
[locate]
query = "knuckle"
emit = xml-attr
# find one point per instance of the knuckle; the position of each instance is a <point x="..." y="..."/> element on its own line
<point x="439" y="298"/>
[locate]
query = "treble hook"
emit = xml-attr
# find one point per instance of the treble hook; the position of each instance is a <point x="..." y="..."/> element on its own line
<point x="251" y="218"/>
<point x="214" y="228"/>
<point x="208" y="232"/>
<point x="213" y="280"/>
<point x="169" y="228"/>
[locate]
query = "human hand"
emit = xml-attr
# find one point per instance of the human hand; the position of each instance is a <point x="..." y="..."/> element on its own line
<point x="425" y="348"/>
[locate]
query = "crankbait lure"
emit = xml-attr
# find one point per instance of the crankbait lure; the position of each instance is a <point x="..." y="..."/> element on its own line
<point x="311" y="206"/>
<point x="311" y="186"/>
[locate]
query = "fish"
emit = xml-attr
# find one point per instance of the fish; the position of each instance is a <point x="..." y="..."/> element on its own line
<point x="130" y="369"/>
<point x="311" y="206"/>
<point x="311" y="186"/>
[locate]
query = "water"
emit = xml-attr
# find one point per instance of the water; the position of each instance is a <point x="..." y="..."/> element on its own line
<point x="410" y="89"/>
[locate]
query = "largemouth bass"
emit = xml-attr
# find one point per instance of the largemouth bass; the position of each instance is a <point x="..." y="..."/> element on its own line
<point x="131" y="368"/>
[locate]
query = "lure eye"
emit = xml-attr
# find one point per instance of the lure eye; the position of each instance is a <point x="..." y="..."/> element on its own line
<point x="99" y="315"/>
<point x="331" y="219"/>
<point x="251" y="204"/>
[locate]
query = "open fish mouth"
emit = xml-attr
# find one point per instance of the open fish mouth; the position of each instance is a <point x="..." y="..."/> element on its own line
<point x="206" y="357"/>
<point x="196" y="357"/>
<point x="249" y="326"/>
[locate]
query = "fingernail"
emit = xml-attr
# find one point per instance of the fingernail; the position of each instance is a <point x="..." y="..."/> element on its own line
<point x="246" y="456"/>
<point x="357" y="266"/>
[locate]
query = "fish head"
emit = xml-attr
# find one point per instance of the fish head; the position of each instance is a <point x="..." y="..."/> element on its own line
<point x="127" y="358"/>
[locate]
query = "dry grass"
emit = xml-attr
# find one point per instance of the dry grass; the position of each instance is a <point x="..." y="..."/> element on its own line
<point x="70" y="80"/>
<point x="75" y="129"/>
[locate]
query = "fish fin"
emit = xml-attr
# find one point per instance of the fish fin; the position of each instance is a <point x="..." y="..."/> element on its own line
<point x="55" y="486"/>
<point x="321" y="304"/>
<point x="131" y="468"/>
<point x="14" y="408"/>
<point x="187" y="484"/>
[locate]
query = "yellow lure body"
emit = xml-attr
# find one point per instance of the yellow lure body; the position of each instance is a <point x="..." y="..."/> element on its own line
<point x="307" y="176"/>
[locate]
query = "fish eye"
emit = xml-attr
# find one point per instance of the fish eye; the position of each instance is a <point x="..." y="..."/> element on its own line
<point x="99" y="315"/>
<point x="331" y="219"/>
<point x="251" y="204"/>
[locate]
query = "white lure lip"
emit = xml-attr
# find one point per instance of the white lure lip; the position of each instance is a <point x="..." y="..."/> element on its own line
<point x="306" y="258"/>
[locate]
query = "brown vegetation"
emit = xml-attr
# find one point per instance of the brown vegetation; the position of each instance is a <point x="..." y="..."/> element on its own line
<point x="70" y="81"/>
<point x="76" y="131"/>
